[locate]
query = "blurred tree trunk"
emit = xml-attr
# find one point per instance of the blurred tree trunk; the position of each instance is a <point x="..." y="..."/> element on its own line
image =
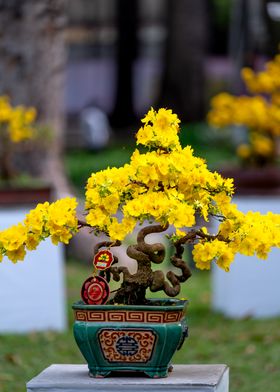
<point x="123" y="113"/>
<point x="183" y="79"/>
<point x="32" y="63"/>
<point x="248" y="37"/>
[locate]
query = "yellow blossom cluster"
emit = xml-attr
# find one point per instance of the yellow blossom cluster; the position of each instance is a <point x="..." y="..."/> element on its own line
<point x="56" y="220"/>
<point x="254" y="112"/>
<point x="259" y="113"/>
<point x="16" y="121"/>
<point x="249" y="234"/>
<point x="266" y="81"/>
<point x="160" y="130"/>
<point x="168" y="185"/>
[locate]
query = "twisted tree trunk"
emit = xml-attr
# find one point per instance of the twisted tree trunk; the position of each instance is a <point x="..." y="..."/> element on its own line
<point x="134" y="286"/>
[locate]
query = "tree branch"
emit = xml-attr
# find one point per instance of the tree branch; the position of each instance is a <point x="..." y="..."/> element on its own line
<point x="156" y="252"/>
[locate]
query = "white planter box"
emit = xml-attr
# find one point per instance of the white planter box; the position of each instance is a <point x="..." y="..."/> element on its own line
<point x="32" y="296"/>
<point x="251" y="287"/>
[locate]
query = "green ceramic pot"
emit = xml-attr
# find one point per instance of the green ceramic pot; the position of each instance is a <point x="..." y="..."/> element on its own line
<point x="130" y="338"/>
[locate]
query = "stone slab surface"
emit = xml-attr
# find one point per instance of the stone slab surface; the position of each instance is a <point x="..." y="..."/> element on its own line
<point x="73" y="378"/>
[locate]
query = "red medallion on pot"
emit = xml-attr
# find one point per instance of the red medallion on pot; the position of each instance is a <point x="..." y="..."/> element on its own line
<point x="103" y="259"/>
<point x="95" y="291"/>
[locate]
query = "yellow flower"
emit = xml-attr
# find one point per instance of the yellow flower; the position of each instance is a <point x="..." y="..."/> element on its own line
<point x="144" y="135"/>
<point x="32" y="241"/>
<point x="14" y="237"/>
<point x="244" y="151"/>
<point x="262" y="145"/>
<point x="160" y="130"/>
<point x="119" y="230"/>
<point x="97" y="218"/>
<point x="182" y="215"/>
<point x="202" y="256"/>
<point x="17" y="121"/>
<point x="5" y="110"/>
<point x="36" y="218"/>
<point x="258" y="113"/>
<point x="225" y="258"/>
<point x="180" y="233"/>
<point x="17" y="254"/>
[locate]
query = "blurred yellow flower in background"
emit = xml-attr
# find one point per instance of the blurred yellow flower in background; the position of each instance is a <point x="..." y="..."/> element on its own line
<point x="258" y="112"/>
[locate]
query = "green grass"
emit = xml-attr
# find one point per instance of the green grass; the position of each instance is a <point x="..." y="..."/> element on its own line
<point x="250" y="347"/>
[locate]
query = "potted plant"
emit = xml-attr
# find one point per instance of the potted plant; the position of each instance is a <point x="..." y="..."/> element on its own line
<point x="17" y="127"/>
<point x="258" y="113"/>
<point x="163" y="187"/>
<point x="257" y="181"/>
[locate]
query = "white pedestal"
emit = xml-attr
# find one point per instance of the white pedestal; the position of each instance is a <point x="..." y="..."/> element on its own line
<point x="74" y="378"/>
<point x="251" y="287"/>
<point x="32" y="296"/>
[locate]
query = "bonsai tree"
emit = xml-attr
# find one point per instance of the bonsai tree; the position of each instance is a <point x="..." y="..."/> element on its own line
<point x="259" y="112"/>
<point x="163" y="186"/>
<point x="16" y="125"/>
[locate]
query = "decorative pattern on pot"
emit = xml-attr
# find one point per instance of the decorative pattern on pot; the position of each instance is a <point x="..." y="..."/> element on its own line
<point x="129" y="316"/>
<point x="127" y="345"/>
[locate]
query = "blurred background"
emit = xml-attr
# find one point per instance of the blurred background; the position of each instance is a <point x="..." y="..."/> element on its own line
<point x="123" y="56"/>
<point x="92" y="69"/>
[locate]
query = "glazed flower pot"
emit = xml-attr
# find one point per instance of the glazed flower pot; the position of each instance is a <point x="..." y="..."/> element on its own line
<point x="25" y="196"/>
<point x="141" y="338"/>
<point x="254" y="180"/>
<point x="19" y="195"/>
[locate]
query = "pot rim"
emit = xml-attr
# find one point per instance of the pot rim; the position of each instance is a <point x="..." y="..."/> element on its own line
<point x="167" y="304"/>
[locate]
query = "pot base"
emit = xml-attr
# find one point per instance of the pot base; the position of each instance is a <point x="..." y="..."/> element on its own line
<point x="159" y="372"/>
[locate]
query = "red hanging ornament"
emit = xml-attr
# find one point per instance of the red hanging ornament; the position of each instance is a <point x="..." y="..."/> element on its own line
<point x="103" y="259"/>
<point x="95" y="291"/>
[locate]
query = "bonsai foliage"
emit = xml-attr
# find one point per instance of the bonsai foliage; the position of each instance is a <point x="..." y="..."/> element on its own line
<point x="259" y="112"/>
<point x="16" y="125"/>
<point x="163" y="187"/>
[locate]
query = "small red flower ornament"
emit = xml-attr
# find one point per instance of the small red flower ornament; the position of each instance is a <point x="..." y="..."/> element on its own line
<point x="103" y="259"/>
